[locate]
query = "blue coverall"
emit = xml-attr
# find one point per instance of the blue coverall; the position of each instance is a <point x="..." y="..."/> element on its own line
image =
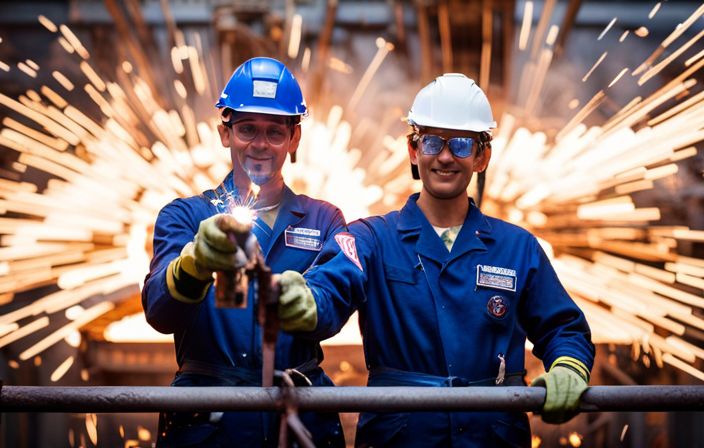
<point x="431" y="317"/>
<point x="220" y="347"/>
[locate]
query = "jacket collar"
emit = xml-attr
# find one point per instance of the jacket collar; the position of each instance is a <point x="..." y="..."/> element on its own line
<point x="412" y="223"/>
<point x="291" y="212"/>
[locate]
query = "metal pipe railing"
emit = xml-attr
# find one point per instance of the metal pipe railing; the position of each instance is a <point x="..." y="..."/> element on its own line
<point x="339" y="399"/>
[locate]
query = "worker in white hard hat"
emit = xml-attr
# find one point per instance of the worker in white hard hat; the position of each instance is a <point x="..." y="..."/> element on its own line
<point x="446" y="295"/>
<point x="260" y="110"/>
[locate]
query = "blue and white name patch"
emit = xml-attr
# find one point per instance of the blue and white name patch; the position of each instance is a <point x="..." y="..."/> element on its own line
<point x="301" y="238"/>
<point x="498" y="278"/>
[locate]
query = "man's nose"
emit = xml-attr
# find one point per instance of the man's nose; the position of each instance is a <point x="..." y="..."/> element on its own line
<point x="260" y="141"/>
<point x="445" y="154"/>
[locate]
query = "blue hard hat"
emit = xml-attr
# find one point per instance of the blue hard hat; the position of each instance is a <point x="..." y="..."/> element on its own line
<point x="265" y="86"/>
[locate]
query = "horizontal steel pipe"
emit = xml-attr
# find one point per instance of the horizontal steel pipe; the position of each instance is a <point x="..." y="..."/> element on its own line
<point x="643" y="398"/>
<point x="339" y="399"/>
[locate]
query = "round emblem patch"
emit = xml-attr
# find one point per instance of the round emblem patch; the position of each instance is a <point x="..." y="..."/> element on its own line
<point x="497" y="306"/>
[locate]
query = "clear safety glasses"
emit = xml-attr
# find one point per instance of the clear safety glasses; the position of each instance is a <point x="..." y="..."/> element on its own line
<point x="459" y="146"/>
<point x="275" y="134"/>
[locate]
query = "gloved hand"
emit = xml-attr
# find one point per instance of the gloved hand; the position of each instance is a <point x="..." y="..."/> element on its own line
<point x="190" y="275"/>
<point x="213" y="250"/>
<point x="297" y="308"/>
<point x="564" y="387"/>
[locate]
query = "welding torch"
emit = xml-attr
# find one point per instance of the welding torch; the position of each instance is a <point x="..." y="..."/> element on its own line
<point x="231" y="289"/>
<point x="231" y="286"/>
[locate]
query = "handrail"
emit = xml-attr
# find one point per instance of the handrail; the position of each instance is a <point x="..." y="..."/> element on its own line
<point x="339" y="399"/>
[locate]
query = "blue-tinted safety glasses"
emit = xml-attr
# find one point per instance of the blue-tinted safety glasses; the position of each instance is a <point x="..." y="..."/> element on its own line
<point x="432" y="145"/>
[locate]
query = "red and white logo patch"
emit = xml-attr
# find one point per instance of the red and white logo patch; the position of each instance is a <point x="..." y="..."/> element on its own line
<point x="346" y="243"/>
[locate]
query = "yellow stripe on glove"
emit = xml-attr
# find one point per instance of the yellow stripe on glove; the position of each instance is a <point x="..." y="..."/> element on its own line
<point x="186" y="282"/>
<point x="190" y="275"/>
<point x="564" y="384"/>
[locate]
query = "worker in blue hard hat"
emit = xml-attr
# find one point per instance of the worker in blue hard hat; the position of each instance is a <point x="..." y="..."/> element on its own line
<point x="446" y="295"/>
<point x="260" y="108"/>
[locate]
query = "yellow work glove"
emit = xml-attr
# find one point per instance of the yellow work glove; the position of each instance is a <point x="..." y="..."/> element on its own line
<point x="297" y="308"/>
<point x="564" y="384"/>
<point x="189" y="276"/>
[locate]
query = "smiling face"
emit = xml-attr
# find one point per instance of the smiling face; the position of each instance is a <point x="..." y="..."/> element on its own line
<point x="446" y="176"/>
<point x="260" y="143"/>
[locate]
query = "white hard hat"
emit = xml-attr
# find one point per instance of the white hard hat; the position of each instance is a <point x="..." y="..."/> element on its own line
<point x="452" y="101"/>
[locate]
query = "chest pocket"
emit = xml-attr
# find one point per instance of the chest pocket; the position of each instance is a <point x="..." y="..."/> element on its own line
<point x="407" y="293"/>
<point x="403" y="275"/>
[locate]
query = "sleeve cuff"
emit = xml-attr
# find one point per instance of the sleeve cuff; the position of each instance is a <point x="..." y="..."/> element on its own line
<point x="573" y="364"/>
<point x="183" y="286"/>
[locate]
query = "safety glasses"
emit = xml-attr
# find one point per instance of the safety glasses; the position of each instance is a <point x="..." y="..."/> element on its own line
<point x="275" y="134"/>
<point x="432" y="145"/>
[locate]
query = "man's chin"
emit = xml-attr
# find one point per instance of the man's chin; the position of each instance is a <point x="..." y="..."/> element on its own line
<point x="260" y="179"/>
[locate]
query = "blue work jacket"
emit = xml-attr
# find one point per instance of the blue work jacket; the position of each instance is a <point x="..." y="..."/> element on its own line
<point x="430" y="316"/>
<point x="228" y="341"/>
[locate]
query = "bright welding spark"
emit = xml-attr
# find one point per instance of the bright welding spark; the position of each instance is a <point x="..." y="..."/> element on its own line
<point x="654" y="11"/>
<point x="305" y="62"/>
<point x="28" y="70"/>
<point x="595" y="66"/>
<point x="606" y="30"/>
<point x="180" y="89"/>
<point x="66" y="45"/>
<point x="525" y="27"/>
<point x="47" y="23"/>
<point x="242" y="209"/>
<point x="143" y="433"/>
<point x="93" y="76"/>
<point x="91" y="427"/>
<point x="74" y="41"/>
<point x="623" y="72"/>
<point x="62" y="369"/>
<point x="694" y="58"/>
<point x="575" y="439"/>
<point x="623" y="36"/>
<point x="68" y="85"/>
<point x="623" y="432"/>
<point x="641" y="32"/>
<point x="552" y="35"/>
<point x="294" y="42"/>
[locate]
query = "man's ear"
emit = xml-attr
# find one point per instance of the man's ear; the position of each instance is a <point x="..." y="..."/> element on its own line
<point x="295" y="141"/>
<point x="413" y="154"/>
<point x="224" y="132"/>
<point x="481" y="162"/>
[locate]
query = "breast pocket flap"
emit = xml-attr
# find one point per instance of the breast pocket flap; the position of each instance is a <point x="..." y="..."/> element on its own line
<point x="403" y="275"/>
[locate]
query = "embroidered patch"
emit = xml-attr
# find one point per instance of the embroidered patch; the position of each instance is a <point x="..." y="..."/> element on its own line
<point x="264" y="89"/>
<point x="499" y="278"/>
<point x="346" y="243"/>
<point x="301" y="238"/>
<point x="497" y="306"/>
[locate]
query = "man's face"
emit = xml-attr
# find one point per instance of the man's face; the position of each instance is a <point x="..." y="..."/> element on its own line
<point x="445" y="175"/>
<point x="260" y="143"/>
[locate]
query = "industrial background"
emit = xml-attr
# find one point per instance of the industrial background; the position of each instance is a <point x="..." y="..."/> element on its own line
<point x="107" y="112"/>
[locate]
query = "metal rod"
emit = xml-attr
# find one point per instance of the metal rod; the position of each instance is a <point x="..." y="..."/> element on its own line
<point x="340" y="399"/>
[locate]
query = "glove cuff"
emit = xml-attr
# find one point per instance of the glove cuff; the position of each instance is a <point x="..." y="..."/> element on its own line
<point x="183" y="286"/>
<point x="573" y="364"/>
